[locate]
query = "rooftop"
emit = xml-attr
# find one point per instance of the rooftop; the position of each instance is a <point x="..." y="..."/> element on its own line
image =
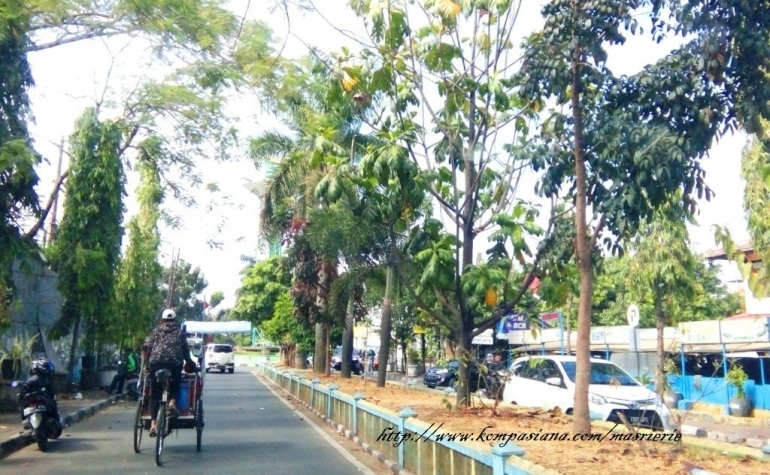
<point x="746" y="247"/>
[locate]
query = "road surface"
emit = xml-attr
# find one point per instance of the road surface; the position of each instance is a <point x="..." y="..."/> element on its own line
<point x="248" y="430"/>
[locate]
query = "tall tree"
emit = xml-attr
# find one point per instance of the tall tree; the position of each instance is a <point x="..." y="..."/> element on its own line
<point x="137" y="290"/>
<point x="283" y="328"/>
<point x="436" y="76"/>
<point x="662" y="271"/>
<point x="605" y="150"/>
<point x="755" y="171"/>
<point x="323" y="128"/>
<point x="342" y="232"/>
<point x="262" y="284"/>
<point x="87" y="246"/>
<point x="17" y="159"/>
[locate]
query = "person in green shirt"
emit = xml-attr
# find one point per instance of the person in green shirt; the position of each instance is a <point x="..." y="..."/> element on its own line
<point x="125" y="369"/>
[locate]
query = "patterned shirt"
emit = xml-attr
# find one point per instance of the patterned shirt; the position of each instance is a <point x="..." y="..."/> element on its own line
<point x="168" y="345"/>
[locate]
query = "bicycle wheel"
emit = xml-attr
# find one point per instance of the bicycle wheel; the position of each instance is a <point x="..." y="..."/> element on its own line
<point x="160" y="430"/>
<point x="199" y="424"/>
<point x="138" y="428"/>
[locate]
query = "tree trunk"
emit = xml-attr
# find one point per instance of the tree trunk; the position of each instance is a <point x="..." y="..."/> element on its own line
<point x="463" y="386"/>
<point x="385" y="328"/>
<point x="422" y="351"/>
<point x="581" y="416"/>
<point x="449" y="349"/>
<point x="660" y="324"/>
<point x="347" y="341"/>
<point x="327" y="349"/>
<point x="320" y="353"/>
<point x="300" y="359"/>
<point x="74" y="351"/>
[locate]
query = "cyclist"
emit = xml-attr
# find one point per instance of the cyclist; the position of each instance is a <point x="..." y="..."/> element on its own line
<point x="167" y="349"/>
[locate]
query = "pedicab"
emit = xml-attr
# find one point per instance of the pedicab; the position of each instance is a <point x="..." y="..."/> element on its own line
<point x="189" y="405"/>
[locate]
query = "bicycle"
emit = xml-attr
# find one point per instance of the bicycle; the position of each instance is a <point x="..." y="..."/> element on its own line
<point x="162" y="427"/>
<point x="189" y="406"/>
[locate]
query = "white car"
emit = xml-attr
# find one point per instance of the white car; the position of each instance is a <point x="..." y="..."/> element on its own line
<point x="219" y="356"/>
<point x="548" y="381"/>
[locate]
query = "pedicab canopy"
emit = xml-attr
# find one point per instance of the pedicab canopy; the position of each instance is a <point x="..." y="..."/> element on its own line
<point x="192" y="326"/>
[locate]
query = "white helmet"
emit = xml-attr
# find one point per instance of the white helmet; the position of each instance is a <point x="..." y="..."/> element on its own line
<point x="168" y="314"/>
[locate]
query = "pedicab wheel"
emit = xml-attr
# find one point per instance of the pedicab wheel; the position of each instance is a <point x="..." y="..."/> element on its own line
<point x="138" y="428"/>
<point x="160" y="434"/>
<point x="199" y="424"/>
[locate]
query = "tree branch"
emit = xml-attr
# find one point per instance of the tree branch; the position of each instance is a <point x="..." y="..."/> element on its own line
<point x="72" y="39"/>
<point x="443" y="300"/>
<point x="129" y="139"/>
<point x="39" y="224"/>
<point x="598" y="229"/>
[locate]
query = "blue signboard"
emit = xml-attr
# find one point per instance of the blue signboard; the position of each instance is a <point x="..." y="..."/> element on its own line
<point x="513" y="322"/>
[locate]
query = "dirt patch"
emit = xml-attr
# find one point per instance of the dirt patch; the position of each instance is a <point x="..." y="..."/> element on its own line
<point x="567" y="457"/>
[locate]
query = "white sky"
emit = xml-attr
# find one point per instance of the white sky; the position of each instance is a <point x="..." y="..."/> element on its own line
<point x="71" y="77"/>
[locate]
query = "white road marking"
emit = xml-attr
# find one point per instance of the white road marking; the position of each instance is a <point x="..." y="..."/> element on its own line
<point x="360" y="466"/>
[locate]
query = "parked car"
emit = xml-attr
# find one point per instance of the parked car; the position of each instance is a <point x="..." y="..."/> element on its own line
<point x="219" y="356"/>
<point x="447" y="376"/>
<point x="336" y="361"/>
<point x="548" y="381"/>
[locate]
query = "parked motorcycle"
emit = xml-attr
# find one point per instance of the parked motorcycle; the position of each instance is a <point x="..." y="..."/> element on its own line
<point x="37" y="401"/>
<point x="494" y="382"/>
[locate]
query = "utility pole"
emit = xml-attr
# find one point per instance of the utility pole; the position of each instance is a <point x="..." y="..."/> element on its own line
<point x="172" y="276"/>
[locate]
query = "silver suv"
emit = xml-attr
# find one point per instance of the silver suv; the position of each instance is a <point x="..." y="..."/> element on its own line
<point x="219" y="356"/>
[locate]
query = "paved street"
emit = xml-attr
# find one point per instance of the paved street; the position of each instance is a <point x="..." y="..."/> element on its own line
<point x="248" y="430"/>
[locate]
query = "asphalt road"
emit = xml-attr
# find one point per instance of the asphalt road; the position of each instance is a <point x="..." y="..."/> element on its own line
<point x="248" y="430"/>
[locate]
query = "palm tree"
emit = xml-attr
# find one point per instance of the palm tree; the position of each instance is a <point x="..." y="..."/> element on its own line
<point x="325" y="132"/>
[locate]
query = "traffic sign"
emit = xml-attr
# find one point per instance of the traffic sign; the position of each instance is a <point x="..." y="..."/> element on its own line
<point x="632" y="315"/>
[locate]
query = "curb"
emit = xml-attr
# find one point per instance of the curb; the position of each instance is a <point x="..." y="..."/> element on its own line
<point x="705" y="443"/>
<point x="18" y="442"/>
<point x="390" y="464"/>
<point x="723" y="435"/>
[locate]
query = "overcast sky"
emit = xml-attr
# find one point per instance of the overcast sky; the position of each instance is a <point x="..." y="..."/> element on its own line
<point x="71" y="77"/>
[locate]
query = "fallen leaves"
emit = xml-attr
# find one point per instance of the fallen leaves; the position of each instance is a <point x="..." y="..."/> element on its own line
<point x="568" y="457"/>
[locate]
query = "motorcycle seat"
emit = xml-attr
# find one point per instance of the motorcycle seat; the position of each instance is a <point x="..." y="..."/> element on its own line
<point x="162" y="375"/>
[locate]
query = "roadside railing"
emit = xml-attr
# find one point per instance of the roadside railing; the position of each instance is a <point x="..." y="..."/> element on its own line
<point x="376" y="428"/>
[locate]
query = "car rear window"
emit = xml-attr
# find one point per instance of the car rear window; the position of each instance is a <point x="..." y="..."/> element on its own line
<point x="223" y="349"/>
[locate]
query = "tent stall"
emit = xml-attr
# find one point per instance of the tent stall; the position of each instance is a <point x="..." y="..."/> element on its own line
<point x="210" y="328"/>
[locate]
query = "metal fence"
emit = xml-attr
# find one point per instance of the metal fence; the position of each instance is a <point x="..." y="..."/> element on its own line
<point x="421" y="453"/>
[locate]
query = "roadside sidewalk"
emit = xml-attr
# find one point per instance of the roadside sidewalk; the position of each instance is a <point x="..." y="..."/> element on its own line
<point x="72" y="411"/>
<point x="749" y="434"/>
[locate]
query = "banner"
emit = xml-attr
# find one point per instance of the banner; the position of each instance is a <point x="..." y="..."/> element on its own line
<point x="484" y="338"/>
<point x="550" y="320"/>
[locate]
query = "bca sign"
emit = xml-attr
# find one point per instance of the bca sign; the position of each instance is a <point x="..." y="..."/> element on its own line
<point x="515" y="322"/>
